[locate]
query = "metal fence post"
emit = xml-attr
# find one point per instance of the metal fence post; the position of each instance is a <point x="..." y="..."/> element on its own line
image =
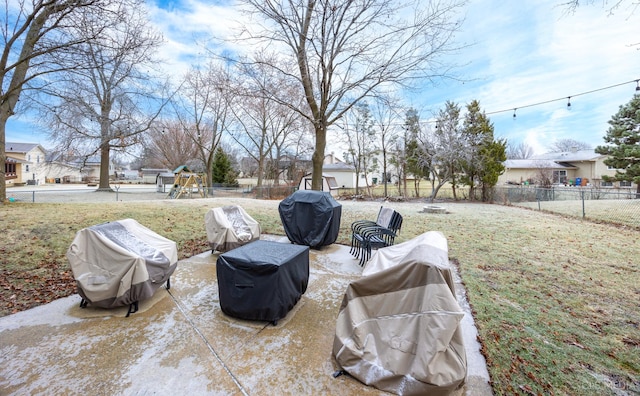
<point x="33" y="196"/>
<point x="582" y="196"/>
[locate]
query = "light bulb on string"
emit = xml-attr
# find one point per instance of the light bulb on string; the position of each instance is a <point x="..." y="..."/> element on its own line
<point x="637" y="85"/>
<point x="514" y="113"/>
<point x="568" y="102"/>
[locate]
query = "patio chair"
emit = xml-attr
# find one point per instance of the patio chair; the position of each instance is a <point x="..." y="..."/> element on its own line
<point x="229" y="227"/>
<point x="368" y="235"/>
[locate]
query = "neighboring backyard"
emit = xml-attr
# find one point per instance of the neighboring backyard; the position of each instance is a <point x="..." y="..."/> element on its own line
<point x="556" y="299"/>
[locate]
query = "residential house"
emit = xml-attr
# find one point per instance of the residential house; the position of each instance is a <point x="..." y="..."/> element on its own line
<point x="58" y="169"/>
<point x="150" y="175"/>
<point x="29" y="163"/>
<point x="570" y="168"/>
<point x="24" y="163"/>
<point x="343" y="173"/>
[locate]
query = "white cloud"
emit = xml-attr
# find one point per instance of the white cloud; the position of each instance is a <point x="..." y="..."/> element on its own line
<point x="191" y="28"/>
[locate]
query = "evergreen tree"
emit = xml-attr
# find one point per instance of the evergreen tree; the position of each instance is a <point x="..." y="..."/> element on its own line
<point x="483" y="161"/>
<point x="222" y="171"/>
<point x="623" y="144"/>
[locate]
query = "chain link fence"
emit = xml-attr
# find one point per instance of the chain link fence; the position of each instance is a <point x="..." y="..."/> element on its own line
<point x="613" y="206"/>
<point x="71" y="193"/>
<point x="601" y="205"/>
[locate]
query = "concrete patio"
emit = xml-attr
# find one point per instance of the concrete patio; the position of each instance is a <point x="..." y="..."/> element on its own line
<point x="180" y="342"/>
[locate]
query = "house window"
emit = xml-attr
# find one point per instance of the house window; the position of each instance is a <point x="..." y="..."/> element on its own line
<point x="38" y="159"/>
<point x="10" y="170"/>
<point x="560" y="176"/>
<point x="29" y="158"/>
<point x="607" y="184"/>
<point x="26" y="168"/>
<point x="625" y="183"/>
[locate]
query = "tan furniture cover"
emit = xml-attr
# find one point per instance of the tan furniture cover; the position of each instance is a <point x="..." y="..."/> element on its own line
<point x="398" y="328"/>
<point x="229" y="227"/>
<point x="120" y="263"/>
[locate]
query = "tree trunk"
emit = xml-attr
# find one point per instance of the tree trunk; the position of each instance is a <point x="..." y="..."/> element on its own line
<point x="453" y="188"/>
<point x="384" y="172"/>
<point x="317" y="159"/>
<point x="15" y="88"/>
<point x="104" y="167"/>
<point x="3" y="155"/>
<point x="404" y="180"/>
<point x="260" y="171"/>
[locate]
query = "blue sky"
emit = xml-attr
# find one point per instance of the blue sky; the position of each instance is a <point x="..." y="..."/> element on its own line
<point x="520" y="53"/>
<point x="530" y="52"/>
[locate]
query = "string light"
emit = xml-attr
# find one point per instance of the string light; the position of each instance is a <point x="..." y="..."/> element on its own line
<point x="569" y="97"/>
<point x="514" y="109"/>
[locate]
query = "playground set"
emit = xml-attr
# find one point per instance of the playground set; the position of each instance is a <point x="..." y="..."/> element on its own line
<point x="186" y="182"/>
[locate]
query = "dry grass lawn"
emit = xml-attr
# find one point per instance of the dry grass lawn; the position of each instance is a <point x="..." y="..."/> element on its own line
<point x="556" y="300"/>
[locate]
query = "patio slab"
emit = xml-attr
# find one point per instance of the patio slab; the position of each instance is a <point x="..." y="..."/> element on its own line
<point x="180" y="342"/>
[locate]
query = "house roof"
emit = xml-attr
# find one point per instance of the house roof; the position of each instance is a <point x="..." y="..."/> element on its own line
<point x="155" y="171"/>
<point x="182" y="168"/>
<point x="568" y="156"/>
<point x="338" y="167"/>
<point x="535" y="163"/>
<point x="16" y="147"/>
<point x="15" y="160"/>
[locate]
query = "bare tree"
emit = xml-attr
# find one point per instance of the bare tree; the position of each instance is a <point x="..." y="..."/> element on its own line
<point x="203" y="110"/>
<point x="519" y="151"/>
<point x="385" y="112"/>
<point x="358" y="133"/>
<point x="610" y="5"/>
<point x="264" y="123"/>
<point x="169" y="145"/>
<point x="288" y="151"/>
<point x="445" y="147"/>
<point x="399" y="161"/>
<point x="418" y="169"/>
<point x="340" y="52"/>
<point x="108" y="103"/>
<point x="564" y="145"/>
<point x="543" y="176"/>
<point x="30" y="33"/>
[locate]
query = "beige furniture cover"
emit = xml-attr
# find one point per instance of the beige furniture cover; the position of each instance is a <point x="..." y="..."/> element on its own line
<point x="229" y="227"/>
<point x="398" y="328"/>
<point x="120" y="263"/>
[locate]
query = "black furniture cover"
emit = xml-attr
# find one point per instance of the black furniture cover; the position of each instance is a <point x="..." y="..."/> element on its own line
<point x="262" y="280"/>
<point x="311" y="218"/>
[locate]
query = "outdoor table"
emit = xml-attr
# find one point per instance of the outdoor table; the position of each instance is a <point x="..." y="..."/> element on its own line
<point x="262" y="280"/>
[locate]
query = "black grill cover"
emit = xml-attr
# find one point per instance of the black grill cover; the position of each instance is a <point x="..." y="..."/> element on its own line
<point x="262" y="280"/>
<point x="311" y="218"/>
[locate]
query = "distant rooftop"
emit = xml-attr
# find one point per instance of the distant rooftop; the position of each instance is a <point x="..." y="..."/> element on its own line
<point x="535" y="163"/>
<point x="15" y="147"/>
<point x="567" y="156"/>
